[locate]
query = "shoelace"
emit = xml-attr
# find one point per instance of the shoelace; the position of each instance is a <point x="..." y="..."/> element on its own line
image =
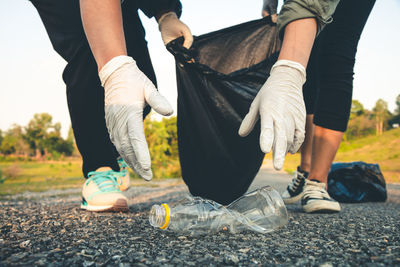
<point x="124" y="169"/>
<point x="105" y="181"/>
<point x="294" y="184"/>
<point x="122" y="164"/>
<point x="315" y="190"/>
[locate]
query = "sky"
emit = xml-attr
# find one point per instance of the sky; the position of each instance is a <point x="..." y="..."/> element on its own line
<point x="30" y="70"/>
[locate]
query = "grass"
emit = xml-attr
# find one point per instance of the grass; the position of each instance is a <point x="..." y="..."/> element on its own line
<point x="384" y="150"/>
<point x="19" y="177"/>
<point x="35" y="176"/>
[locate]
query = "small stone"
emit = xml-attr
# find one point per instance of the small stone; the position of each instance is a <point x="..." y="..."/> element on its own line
<point x="25" y="244"/>
<point x="244" y="250"/>
<point x="88" y="263"/>
<point x="231" y="259"/>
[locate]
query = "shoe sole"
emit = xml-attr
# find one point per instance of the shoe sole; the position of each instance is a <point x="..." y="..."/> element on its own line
<point x="293" y="200"/>
<point x="119" y="205"/>
<point x="322" y="207"/>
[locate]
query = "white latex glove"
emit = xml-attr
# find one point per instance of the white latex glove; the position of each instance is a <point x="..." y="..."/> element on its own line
<point x="280" y="105"/>
<point x="270" y="8"/>
<point x="127" y="90"/>
<point x="171" y="28"/>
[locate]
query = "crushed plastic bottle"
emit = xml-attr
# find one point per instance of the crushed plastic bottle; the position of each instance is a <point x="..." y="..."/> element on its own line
<point x="261" y="211"/>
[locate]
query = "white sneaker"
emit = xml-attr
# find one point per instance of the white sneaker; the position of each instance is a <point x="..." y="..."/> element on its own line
<point x="316" y="198"/>
<point x="295" y="188"/>
<point x="101" y="192"/>
<point x="123" y="177"/>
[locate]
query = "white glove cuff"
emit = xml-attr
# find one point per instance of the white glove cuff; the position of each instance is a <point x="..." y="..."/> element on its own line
<point x="291" y="64"/>
<point x="164" y="16"/>
<point x="112" y="65"/>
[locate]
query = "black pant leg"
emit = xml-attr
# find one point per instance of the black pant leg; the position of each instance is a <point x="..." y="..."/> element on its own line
<point x="310" y="88"/>
<point x="85" y="94"/>
<point x="338" y="48"/>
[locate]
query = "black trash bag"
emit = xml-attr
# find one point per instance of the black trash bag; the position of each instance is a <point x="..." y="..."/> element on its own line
<point x="217" y="81"/>
<point x="356" y="182"/>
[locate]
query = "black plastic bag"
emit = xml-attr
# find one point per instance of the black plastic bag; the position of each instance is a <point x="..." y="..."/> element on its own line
<point x="217" y="80"/>
<point x="356" y="182"/>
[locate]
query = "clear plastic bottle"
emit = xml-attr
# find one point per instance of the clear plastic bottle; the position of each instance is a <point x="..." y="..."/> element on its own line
<point x="261" y="210"/>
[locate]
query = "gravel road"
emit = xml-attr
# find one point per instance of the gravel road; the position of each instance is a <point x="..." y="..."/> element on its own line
<point x="48" y="229"/>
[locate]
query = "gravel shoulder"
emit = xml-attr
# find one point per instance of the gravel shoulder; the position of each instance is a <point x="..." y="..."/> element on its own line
<point x="49" y="229"/>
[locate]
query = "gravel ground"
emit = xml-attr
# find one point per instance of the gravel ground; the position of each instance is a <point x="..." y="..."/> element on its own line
<point x="51" y="230"/>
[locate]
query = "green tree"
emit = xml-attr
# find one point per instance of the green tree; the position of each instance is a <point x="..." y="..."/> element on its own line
<point x="162" y="141"/>
<point x="360" y="126"/>
<point x="1" y="137"/>
<point x="71" y="139"/>
<point x="382" y="114"/>
<point x="44" y="137"/>
<point x="395" y="119"/>
<point x="397" y="110"/>
<point x="13" y="142"/>
<point x="170" y="125"/>
<point x="357" y="108"/>
<point x="37" y="132"/>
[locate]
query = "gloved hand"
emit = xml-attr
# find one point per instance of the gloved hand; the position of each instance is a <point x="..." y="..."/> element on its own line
<point x="269" y="8"/>
<point x="280" y="106"/>
<point x="127" y="90"/>
<point x="171" y="28"/>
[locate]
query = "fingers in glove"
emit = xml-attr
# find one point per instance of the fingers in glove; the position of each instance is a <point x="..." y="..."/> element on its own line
<point x="280" y="146"/>
<point x="267" y="133"/>
<point x="138" y="142"/>
<point x="250" y="119"/>
<point x="128" y="154"/>
<point x="157" y="101"/>
<point x="298" y="140"/>
<point x="188" y="38"/>
<point x="274" y="18"/>
<point x="264" y="13"/>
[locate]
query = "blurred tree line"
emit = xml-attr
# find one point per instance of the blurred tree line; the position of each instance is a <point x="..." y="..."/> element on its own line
<point x="162" y="139"/>
<point x="41" y="138"/>
<point x="365" y="122"/>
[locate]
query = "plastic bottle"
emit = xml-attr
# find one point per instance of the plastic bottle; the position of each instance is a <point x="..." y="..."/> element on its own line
<point x="261" y="210"/>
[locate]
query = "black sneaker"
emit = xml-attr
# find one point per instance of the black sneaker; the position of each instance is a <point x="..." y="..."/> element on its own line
<point x="316" y="198"/>
<point x="294" y="190"/>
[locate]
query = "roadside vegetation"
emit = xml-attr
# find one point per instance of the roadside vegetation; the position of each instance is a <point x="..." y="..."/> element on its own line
<point x="36" y="157"/>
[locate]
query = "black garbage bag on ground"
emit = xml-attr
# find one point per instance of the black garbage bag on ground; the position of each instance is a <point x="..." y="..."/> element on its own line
<point x="356" y="182"/>
<point x="217" y="80"/>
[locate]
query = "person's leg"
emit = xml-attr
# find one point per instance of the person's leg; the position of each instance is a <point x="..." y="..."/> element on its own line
<point x="332" y="109"/>
<point x="306" y="147"/>
<point x="325" y="144"/>
<point x="85" y="95"/>
<point x="337" y="59"/>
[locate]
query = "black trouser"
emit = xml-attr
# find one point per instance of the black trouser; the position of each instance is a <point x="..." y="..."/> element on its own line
<point x="85" y="94"/>
<point x="329" y="87"/>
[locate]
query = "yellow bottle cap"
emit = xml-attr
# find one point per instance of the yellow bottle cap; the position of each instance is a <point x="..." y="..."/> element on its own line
<point x="167" y="216"/>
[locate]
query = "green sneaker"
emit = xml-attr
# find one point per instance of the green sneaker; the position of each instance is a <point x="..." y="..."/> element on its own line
<point x="123" y="175"/>
<point x="101" y="192"/>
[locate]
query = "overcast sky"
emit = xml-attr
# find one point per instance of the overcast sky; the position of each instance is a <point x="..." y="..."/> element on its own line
<point x="30" y="71"/>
